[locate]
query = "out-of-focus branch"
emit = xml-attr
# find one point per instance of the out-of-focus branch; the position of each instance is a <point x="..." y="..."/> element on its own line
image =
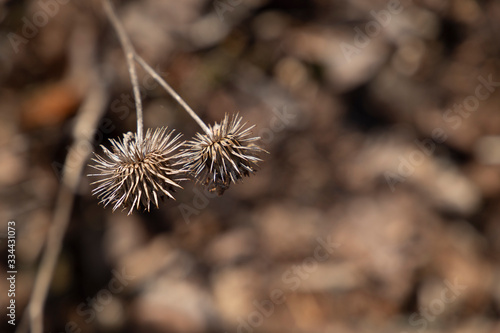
<point x="84" y="76"/>
<point x="89" y="116"/>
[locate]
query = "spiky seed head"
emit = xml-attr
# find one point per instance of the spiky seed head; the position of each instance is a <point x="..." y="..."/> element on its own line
<point x="137" y="173"/>
<point x="224" y="156"/>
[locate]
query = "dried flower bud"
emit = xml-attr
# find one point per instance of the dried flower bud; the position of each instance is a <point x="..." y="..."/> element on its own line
<point x="224" y="156"/>
<point x="137" y="173"/>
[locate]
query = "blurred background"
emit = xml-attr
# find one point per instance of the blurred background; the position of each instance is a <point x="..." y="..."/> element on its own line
<point x="377" y="209"/>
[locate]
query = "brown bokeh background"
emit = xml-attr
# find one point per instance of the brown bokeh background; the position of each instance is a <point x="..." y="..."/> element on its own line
<point x="376" y="210"/>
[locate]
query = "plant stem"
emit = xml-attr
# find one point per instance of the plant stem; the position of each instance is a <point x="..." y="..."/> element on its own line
<point x="130" y="56"/>
<point x="172" y="92"/>
<point x="129" y="51"/>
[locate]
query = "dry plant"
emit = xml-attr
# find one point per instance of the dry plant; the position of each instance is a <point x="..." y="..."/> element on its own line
<point x="140" y="169"/>
<point x="223" y="156"/>
<point x="138" y="172"/>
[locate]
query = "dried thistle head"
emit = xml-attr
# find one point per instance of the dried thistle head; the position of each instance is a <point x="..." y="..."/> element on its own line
<point x="136" y="173"/>
<point x="224" y="156"/>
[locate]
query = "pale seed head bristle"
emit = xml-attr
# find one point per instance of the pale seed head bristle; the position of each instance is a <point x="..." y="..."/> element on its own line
<point x="136" y="174"/>
<point x="225" y="156"/>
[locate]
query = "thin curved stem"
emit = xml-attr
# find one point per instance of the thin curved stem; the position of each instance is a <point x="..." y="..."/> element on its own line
<point x="172" y="92"/>
<point x="129" y="51"/>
